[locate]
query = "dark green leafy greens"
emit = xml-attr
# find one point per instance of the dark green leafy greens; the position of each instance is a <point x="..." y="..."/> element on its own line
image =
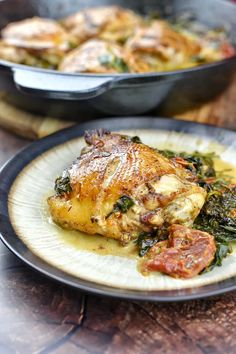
<point x="146" y="240"/>
<point x="135" y="139"/>
<point x="62" y="184"/>
<point x="112" y="61"/>
<point x="222" y="251"/>
<point x="122" y="205"/>
<point x="198" y="59"/>
<point x="217" y="218"/>
<point x="218" y="215"/>
<point x="201" y="164"/>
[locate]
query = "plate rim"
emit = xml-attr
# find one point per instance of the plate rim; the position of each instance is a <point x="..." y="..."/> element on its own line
<point x="14" y="166"/>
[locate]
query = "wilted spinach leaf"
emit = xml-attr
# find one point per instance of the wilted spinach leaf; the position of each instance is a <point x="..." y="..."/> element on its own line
<point x="112" y="61"/>
<point x="122" y="205"/>
<point x="62" y="184"/>
<point x="145" y="241"/>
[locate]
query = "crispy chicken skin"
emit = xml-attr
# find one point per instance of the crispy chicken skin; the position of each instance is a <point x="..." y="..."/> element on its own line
<point x="185" y="254"/>
<point x="120" y="187"/>
<point x="35" y="33"/>
<point x="36" y="37"/>
<point x="110" y="23"/>
<point x="158" y="47"/>
<point x="95" y="56"/>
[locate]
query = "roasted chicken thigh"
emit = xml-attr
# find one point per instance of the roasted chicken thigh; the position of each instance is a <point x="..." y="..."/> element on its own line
<point x="119" y="187"/>
<point x="35" y="41"/>
<point x="158" y="46"/>
<point x="96" y="56"/>
<point x="111" y="23"/>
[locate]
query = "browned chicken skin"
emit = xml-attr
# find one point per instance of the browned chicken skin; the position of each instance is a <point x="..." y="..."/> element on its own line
<point x="95" y="56"/>
<point x="111" y="23"/>
<point x="31" y="40"/>
<point x="158" y="46"/>
<point x="35" y="33"/>
<point x="120" y="187"/>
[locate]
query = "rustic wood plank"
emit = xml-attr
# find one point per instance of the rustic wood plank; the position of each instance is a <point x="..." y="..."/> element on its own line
<point x="36" y="314"/>
<point x="41" y="316"/>
<point x="202" y="326"/>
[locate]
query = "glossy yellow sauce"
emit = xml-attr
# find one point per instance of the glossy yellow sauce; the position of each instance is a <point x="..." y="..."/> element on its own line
<point x="98" y="244"/>
<point x="105" y="246"/>
<point x="225" y="167"/>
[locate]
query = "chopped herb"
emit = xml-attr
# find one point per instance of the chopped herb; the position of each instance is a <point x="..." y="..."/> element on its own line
<point x="122" y="205"/>
<point x="120" y="65"/>
<point x="112" y="61"/>
<point x="222" y="251"/>
<point x="72" y="44"/>
<point x="62" y="184"/>
<point x="135" y="139"/>
<point x="198" y="59"/>
<point x="105" y="59"/>
<point x="168" y="153"/>
<point x="145" y="241"/>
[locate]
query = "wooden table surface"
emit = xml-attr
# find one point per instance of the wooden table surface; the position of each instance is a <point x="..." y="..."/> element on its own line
<point x="38" y="315"/>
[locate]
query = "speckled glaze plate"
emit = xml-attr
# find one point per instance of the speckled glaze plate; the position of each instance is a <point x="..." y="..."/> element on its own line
<point x="27" y="179"/>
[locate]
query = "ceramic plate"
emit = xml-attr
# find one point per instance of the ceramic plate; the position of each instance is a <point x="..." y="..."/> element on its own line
<point x="26" y="228"/>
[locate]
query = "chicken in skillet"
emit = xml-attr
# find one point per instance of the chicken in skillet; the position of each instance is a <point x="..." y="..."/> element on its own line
<point x="36" y="41"/>
<point x="111" y="23"/>
<point x="96" y="56"/>
<point x="149" y="45"/>
<point x="159" y="47"/>
<point x="119" y="187"/>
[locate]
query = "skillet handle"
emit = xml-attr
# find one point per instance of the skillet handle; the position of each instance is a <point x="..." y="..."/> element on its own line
<point x="60" y="85"/>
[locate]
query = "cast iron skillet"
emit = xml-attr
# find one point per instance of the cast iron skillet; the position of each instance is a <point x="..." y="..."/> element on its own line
<point x="81" y="95"/>
<point x="11" y="170"/>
